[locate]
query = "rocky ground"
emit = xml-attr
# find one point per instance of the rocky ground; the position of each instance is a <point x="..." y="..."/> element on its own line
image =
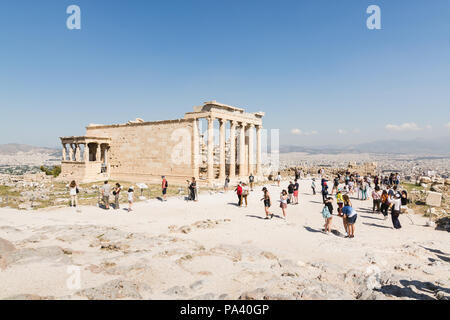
<point x="214" y="250"/>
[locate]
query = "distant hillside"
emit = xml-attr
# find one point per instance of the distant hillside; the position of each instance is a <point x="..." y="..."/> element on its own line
<point x="14" y="148"/>
<point x="440" y="146"/>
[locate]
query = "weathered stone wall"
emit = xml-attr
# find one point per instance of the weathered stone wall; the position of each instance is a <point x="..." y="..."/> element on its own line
<point x="81" y="172"/>
<point x="145" y="151"/>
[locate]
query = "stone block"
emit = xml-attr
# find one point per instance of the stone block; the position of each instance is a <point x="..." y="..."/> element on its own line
<point x="434" y="199"/>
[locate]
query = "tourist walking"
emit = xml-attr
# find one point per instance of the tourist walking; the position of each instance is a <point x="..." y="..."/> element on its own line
<point x="130" y="197"/>
<point x="279" y="178"/>
<point x="105" y="190"/>
<point x="313" y="186"/>
<point x="226" y="184"/>
<point x="384" y="203"/>
<point x="266" y="199"/>
<point x="238" y="191"/>
<point x="395" y="213"/>
<point x="245" y="193"/>
<point x="376" y="197"/>
<point x="297" y="174"/>
<point x="335" y="185"/>
<point x="73" y="191"/>
<point x="193" y="190"/>
<point x="290" y="192"/>
<point x="251" y="180"/>
<point x="116" y="193"/>
<point x="283" y="202"/>
<point x="296" y="187"/>
<point x="364" y="189"/>
<point x="164" y="186"/>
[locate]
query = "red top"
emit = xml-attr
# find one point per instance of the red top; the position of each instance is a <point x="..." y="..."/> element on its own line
<point x="239" y="190"/>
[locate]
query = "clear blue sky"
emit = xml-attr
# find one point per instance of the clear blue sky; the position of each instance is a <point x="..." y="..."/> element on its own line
<point x="310" y="65"/>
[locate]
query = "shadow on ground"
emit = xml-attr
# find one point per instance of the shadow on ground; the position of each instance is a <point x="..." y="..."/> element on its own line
<point x="422" y="291"/>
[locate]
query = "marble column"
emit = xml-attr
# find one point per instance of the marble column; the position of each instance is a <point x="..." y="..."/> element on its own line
<point x="106" y="155"/>
<point x="251" y="155"/>
<point x="210" y="149"/>
<point x="64" y="152"/>
<point x="258" y="151"/>
<point x="86" y="153"/>
<point x="242" y="172"/>
<point x="98" y="156"/>
<point x="222" y="149"/>
<point x="77" y="152"/>
<point x="232" y="149"/>
<point x="195" y="149"/>
<point x="70" y="152"/>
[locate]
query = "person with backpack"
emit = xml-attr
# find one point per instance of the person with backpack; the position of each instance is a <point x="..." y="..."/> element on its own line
<point x="164" y="186"/>
<point x="238" y="191"/>
<point x="327" y="213"/>
<point x="290" y="191"/>
<point x="73" y="192"/>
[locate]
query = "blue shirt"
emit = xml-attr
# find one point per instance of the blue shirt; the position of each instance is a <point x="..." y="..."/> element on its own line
<point x="348" y="211"/>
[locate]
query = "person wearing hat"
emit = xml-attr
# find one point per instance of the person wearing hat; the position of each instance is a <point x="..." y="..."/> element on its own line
<point x="266" y="199"/>
<point x="396" y="203"/>
<point x="130" y="198"/>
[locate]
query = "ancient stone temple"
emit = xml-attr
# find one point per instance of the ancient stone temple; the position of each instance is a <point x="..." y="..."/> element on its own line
<point x="140" y="151"/>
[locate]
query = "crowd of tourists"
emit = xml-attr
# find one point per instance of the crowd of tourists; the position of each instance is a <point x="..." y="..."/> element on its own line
<point x="383" y="190"/>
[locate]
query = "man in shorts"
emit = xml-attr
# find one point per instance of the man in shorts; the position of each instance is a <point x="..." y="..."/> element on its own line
<point x="106" y="190"/>
<point x="251" y="180"/>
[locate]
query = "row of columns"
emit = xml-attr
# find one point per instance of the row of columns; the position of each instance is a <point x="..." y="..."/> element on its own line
<point x="243" y="126"/>
<point x="75" y="152"/>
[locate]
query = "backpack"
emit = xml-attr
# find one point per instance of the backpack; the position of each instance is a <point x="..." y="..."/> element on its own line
<point x="326" y="212"/>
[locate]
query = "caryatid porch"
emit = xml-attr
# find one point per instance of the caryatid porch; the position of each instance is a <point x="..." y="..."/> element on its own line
<point x="85" y="157"/>
<point x="242" y="159"/>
